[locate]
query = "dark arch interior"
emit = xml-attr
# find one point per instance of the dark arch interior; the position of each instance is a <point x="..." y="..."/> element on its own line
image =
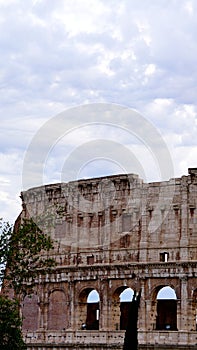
<point x="92" y="319"/>
<point x="125" y="302"/>
<point x="166" y="310"/>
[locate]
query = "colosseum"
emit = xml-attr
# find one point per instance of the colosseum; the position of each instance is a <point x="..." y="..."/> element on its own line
<point x="115" y="235"/>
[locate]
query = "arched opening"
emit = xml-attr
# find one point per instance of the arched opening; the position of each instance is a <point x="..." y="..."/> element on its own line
<point x="92" y="320"/>
<point x="166" y="309"/>
<point x="126" y="295"/>
<point x="125" y="301"/>
<point x="122" y="299"/>
<point x="93" y="297"/>
<point x="89" y="301"/>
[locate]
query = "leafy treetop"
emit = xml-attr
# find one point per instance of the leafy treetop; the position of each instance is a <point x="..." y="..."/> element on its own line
<point x="22" y="253"/>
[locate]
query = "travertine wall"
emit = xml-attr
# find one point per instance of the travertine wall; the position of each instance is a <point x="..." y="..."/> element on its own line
<point x="112" y="233"/>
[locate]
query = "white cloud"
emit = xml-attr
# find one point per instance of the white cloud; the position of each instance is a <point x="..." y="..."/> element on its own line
<point x="54" y="55"/>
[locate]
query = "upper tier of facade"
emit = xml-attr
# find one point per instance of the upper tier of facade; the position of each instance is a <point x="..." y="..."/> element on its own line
<point x="153" y="221"/>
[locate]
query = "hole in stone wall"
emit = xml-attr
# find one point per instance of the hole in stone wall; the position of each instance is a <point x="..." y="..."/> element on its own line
<point x="125" y="301"/>
<point x="166" y="309"/>
<point x="164" y="257"/>
<point x="92" y="320"/>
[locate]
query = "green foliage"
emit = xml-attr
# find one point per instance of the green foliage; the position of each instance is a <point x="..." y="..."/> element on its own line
<point x="22" y="258"/>
<point x="5" y="236"/>
<point x="10" y="325"/>
<point x="22" y="254"/>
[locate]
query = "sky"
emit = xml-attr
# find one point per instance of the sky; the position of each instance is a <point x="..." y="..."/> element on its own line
<point x="127" y="295"/>
<point x="56" y="56"/>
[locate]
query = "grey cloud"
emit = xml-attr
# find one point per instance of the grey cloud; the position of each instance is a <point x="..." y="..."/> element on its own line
<point x="48" y="64"/>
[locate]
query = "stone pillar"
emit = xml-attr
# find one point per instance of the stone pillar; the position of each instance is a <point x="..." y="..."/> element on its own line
<point x="41" y="315"/>
<point x="192" y="315"/>
<point x="78" y="307"/>
<point x="142" y="313"/>
<point x="45" y="315"/>
<point x="151" y="314"/>
<point x="103" y="305"/>
<point x="73" y="307"/>
<point x="184" y="220"/>
<point x="43" y="310"/>
<point x="178" y="314"/>
<point x="184" y="305"/>
<point x="144" y="231"/>
<point x="115" y="315"/>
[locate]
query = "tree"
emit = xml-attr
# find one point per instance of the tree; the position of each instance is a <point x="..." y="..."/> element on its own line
<point x="5" y="237"/>
<point x="20" y="255"/>
<point x="21" y="260"/>
<point x="131" y="340"/>
<point x="10" y="325"/>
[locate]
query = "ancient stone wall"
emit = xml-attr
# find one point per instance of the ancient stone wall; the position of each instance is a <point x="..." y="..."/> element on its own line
<point x="111" y="234"/>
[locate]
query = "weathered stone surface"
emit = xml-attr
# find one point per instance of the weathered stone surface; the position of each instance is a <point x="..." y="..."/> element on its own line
<point x="112" y="233"/>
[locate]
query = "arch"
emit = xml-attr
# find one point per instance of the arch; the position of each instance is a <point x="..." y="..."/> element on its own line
<point x="118" y="291"/>
<point x="30" y="312"/>
<point x="89" y="309"/>
<point x="93" y="297"/>
<point x="166" y="293"/>
<point x="166" y="318"/>
<point x="125" y="301"/>
<point x="126" y="295"/>
<point x="121" y="300"/>
<point x="57" y="311"/>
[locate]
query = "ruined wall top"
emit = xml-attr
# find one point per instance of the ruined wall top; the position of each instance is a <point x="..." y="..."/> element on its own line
<point x="117" y="212"/>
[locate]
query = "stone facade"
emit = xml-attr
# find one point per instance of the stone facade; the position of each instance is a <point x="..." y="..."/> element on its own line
<point x="111" y="234"/>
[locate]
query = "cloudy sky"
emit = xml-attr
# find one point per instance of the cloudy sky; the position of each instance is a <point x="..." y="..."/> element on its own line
<point x="56" y="55"/>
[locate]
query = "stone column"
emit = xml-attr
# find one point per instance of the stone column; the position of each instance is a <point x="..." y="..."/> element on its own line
<point x="103" y="305"/>
<point x="41" y="315"/>
<point x="142" y="313"/>
<point x="144" y="230"/>
<point x="192" y="315"/>
<point x="184" y="304"/>
<point x="45" y="315"/>
<point x="184" y="220"/>
<point x="151" y="314"/>
<point x="115" y="315"/>
<point x="72" y="307"/>
<point x="179" y="315"/>
<point x="43" y="310"/>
